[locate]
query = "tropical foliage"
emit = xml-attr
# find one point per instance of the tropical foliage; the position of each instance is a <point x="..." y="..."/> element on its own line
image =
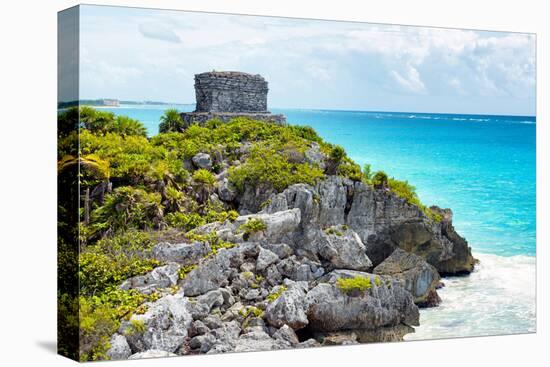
<point x="136" y="189"/>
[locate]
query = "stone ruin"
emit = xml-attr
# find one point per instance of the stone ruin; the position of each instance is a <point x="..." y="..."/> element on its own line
<point x="224" y="95"/>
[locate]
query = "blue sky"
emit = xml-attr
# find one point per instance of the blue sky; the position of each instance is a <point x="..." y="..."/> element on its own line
<point x="143" y="54"/>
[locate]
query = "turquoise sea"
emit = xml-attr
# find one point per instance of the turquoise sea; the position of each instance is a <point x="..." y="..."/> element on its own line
<point x="483" y="167"/>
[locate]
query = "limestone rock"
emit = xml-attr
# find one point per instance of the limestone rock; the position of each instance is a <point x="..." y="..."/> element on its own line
<point x="344" y="250"/>
<point x="265" y="258"/>
<point x="300" y="268"/>
<point x="279" y="226"/>
<point x="331" y="309"/>
<point x="202" y="160"/>
<point x="225" y="191"/>
<point x="214" y="272"/>
<point x="289" y="307"/>
<point x="160" y="277"/>
<point x="257" y="340"/>
<point x="315" y="156"/>
<point x="225" y="338"/>
<point x="414" y="273"/>
<point x="382" y="220"/>
<point x="182" y="253"/>
<point x="282" y="250"/>
<point x="119" y="348"/>
<point x="286" y="334"/>
<point x="162" y="327"/>
<point x="210" y="275"/>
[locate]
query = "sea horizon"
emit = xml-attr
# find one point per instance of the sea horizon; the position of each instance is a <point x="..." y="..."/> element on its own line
<point x="277" y="108"/>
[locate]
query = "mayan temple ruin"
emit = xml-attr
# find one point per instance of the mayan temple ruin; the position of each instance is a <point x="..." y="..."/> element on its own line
<point x="224" y="95"/>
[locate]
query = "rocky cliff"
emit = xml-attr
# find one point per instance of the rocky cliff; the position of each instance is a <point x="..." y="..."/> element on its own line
<point x="338" y="262"/>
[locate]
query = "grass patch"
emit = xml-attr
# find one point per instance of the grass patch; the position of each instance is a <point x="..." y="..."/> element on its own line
<point x="355" y="284"/>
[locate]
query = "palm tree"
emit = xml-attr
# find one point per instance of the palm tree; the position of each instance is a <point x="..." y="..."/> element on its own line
<point x="170" y="121"/>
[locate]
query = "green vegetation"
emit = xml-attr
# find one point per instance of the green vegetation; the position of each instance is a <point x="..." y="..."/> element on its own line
<point x="100" y="317"/>
<point x="377" y="281"/>
<point x="271" y="167"/>
<point x="408" y="192"/>
<point x="102" y="122"/>
<point x="355" y="284"/>
<point x="135" y="327"/>
<point x="135" y="189"/>
<point x="247" y="274"/>
<point x="251" y="310"/>
<point x="252" y="226"/>
<point x="380" y="179"/>
<point x="127" y="207"/>
<point x="184" y="270"/>
<point x="276" y="294"/>
<point x="170" y="121"/>
<point x="333" y="231"/>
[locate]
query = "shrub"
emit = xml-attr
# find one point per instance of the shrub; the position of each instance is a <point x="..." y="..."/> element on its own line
<point x="247" y="274"/>
<point x="204" y="177"/>
<point x="252" y="226"/>
<point x="367" y="172"/>
<point x="377" y="281"/>
<point x="126" y="126"/>
<point x="355" y="284"/>
<point x="408" y="192"/>
<point x="337" y="153"/>
<point x="171" y="121"/>
<point x="100" y="317"/>
<point x="135" y="327"/>
<point x="350" y="170"/>
<point x="306" y="132"/>
<point x="103" y="122"/>
<point x="380" y="179"/>
<point x="127" y="207"/>
<point x="99" y="271"/>
<point x="185" y="221"/>
<point x="265" y="165"/>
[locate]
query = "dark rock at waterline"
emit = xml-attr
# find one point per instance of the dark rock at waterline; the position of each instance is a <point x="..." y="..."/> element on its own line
<point x="415" y="274"/>
<point x="330" y="308"/>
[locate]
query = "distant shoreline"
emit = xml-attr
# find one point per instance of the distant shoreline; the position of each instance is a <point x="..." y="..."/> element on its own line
<point x="112" y="103"/>
<point x="101" y="103"/>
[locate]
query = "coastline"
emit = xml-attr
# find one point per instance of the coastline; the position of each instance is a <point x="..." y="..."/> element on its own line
<point x="433" y="326"/>
<point x="500" y="288"/>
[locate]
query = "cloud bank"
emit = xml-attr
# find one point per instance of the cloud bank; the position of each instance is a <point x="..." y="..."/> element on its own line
<point x="153" y="54"/>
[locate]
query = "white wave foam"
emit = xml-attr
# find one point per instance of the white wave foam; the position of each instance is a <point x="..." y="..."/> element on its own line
<point x="499" y="297"/>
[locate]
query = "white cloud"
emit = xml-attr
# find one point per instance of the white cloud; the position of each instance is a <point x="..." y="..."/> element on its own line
<point x="368" y="59"/>
<point x="158" y="31"/>
<point x="410" y="80"/>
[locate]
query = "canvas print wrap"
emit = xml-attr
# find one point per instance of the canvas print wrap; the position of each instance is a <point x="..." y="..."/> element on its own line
<point x="232" y="183"/>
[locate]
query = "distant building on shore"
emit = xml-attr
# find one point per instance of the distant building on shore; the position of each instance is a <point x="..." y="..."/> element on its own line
<point x="224" y="95"/>
<point x="110" y="102"/>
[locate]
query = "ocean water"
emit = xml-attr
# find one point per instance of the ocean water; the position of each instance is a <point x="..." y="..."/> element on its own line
<point x="483" y="167"/>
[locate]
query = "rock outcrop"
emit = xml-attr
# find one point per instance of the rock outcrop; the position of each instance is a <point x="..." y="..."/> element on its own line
<point x="281" y="280"/>
<point x="386" y="304"/>
<point x="162" y="327"/>
<point x="276" y="284"/>
<point x="415" y="275"/>
<point x="382" y="220"/>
